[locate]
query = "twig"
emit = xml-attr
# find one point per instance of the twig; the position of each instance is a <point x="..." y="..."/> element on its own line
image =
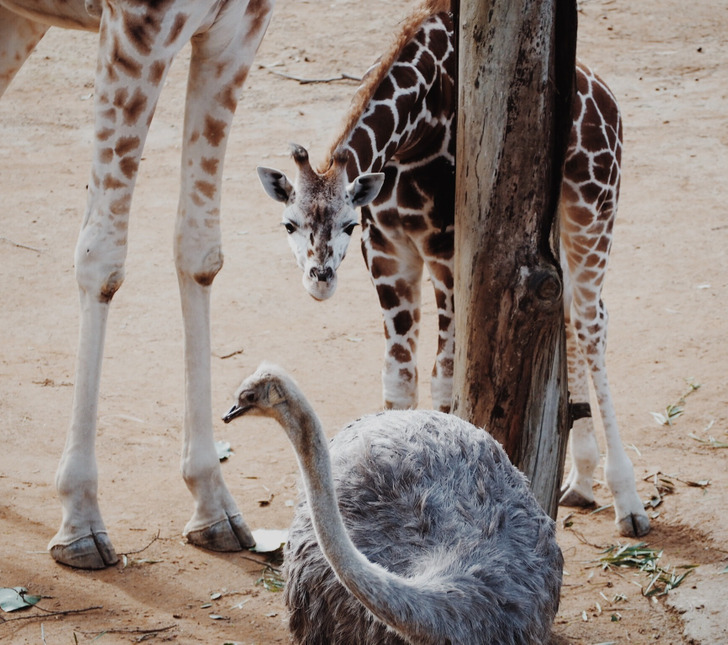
<point x="263" y="561"/>
<point x="154" y="539"/>
<point x="667" y="484"/>
<point x="20" y="246"/>
<point x="675" y="410"/>
<point x="231" y="354"/>
<point x="308" y="81"/>
<point x="49" y="612"/>
<point x="154" y="630"/>
<point x="580" y="536"/>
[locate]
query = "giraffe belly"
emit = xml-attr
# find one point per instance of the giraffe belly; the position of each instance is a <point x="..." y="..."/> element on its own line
<point x="70" y="14"/>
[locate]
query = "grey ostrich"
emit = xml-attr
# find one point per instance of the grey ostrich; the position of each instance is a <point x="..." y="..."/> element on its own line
<point x="415" y="528"/>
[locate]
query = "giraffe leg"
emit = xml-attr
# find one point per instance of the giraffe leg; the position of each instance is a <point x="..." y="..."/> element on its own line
<point x="630" y="516"/>
<point x="441" y="273"/>
<point x="577" y="487"/>
<point x="219" y="65"/>
<point x="396" y="269"/>
<point x="589" y="196"/>
<point x="18" y="38"/>
<point x="124" y="101"/>
<point x="590" y="325"/>
<point x="130" y="73"/>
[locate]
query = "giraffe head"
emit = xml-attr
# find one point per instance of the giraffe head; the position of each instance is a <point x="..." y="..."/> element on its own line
<point x="320" y="214"/>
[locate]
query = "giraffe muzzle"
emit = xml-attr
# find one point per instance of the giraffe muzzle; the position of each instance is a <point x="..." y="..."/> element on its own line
<point x="325" y="274"/>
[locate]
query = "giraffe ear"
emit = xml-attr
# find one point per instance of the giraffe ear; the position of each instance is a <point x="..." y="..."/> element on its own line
<point x="276" y="184"/>
<point x="365" y="188"/>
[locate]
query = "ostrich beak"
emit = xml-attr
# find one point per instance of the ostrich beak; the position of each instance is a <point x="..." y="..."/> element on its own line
<point x="235" y="411"/>
<point x="247" y="400"/>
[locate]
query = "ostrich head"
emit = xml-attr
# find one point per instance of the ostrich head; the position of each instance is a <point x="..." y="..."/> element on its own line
<point x="320" y="215"/>
<point x="260" y="393"/>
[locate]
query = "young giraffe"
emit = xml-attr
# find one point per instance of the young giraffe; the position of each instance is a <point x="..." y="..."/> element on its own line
<point x="400" y="134"/>
<point x="137" y="41"/>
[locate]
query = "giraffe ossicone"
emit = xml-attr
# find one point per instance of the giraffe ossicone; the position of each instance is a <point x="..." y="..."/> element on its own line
<point x="137" y="43"/>
<point x="402" y="124"/>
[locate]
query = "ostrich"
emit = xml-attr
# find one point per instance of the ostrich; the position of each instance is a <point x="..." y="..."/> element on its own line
<point x="415" y="528"/>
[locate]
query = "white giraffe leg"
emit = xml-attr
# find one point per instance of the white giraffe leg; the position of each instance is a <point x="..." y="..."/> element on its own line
<point x="123" y="109"/>
<point x="220" y="63"/>
<point x="629" y="510"/>
<point x="126" y="91"/>
<point x="18" y="38"/>
<point x="589" y="318"/>
<point x="81" y="540"/>
<point x="577" y="489"/>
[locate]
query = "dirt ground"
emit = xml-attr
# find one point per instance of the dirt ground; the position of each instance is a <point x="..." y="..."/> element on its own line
<point x="666" y="291"/>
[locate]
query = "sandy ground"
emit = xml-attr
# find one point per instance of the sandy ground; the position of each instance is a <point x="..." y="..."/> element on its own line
<point x="666" y="290"/>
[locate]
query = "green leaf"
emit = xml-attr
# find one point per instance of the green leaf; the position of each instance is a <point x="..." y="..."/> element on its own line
<point x="641" y="556"/>
<point x="12" y="599"/>
<point x="271" y="579"/>
<point x="710" y="441"/>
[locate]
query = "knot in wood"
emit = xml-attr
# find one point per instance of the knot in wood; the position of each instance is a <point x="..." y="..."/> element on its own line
<point x="546" y="285"/>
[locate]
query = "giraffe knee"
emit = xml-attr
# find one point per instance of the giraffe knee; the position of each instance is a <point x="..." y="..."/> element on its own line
<point x="203" y="270"/>
<point x="98" y="272"/>
<point x="103" y="284"/>
<point x="111" y="285"/>
<point x="209" y="267"/>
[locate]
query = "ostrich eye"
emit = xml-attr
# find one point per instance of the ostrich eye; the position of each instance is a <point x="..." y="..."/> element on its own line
<point x="350" y="228"/>
<point x="290" y="227"/>
<point x="248" y="397"/>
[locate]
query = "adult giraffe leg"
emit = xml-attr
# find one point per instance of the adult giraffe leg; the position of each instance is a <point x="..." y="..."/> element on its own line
<point x="18" y="38"/>
<point x="220" y="62"/>
<point x="131" y="68"/>
<point x="124" y="104"/>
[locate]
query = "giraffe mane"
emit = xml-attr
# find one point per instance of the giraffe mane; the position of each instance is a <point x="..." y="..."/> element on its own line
<point x="380" y="69"/>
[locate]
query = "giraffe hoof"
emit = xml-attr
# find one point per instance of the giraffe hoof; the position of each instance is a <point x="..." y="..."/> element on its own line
<point x="634" y="525"/>
<point x="572" y="497"/>
<point x="93" y="551"/>
<point x="230" y="534"/>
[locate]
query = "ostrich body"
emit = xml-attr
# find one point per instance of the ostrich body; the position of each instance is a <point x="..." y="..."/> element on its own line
<point x="416" y="528"/>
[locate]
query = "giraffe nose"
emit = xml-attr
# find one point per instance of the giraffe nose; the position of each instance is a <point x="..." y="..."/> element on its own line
<point x="322" y="274"/>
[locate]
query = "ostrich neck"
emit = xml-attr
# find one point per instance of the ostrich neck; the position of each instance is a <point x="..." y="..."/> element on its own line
<point x="389" y="597"/>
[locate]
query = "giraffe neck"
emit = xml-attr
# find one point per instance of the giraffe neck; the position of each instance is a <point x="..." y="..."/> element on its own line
<point x="406" y="96"/>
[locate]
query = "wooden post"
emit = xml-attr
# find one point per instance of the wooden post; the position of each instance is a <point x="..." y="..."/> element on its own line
<point x="516" y="73"/>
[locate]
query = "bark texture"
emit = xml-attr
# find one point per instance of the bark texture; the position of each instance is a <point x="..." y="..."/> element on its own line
<point x="516" y="72"/>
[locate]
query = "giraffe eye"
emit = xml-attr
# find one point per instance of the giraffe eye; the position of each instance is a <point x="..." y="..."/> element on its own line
<point x="350" y="228"/>
<point x="290" y="227"/>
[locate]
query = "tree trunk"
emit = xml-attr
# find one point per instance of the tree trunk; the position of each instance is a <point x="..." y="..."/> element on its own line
<point x="516" y="72"/>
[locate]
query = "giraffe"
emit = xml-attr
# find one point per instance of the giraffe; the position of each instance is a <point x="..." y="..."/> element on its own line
<point x="138" y="40"/>
<point x="395" y="158"/>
